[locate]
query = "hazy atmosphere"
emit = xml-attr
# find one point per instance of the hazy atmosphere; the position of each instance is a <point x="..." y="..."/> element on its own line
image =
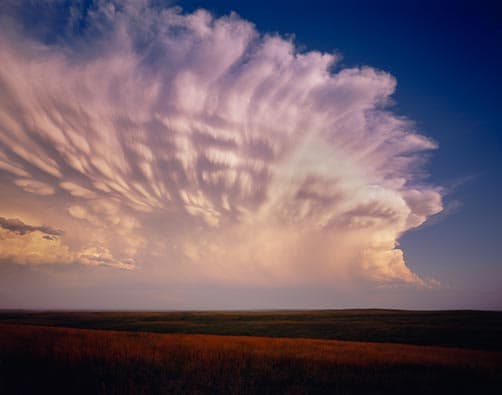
<point x="201" y="155"/>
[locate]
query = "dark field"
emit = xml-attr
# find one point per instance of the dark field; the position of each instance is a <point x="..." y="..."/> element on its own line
<point x="465" y="329"/>
<point x="38" y="360"/>
<point x="272" y="352"/>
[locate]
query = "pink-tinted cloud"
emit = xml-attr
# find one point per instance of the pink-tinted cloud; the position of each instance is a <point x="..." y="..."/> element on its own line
<point x="210" y="151"/>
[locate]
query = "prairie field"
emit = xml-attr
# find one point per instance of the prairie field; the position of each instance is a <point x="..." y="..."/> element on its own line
<point x="41" y="359"/>
<point x="458" y="328"/>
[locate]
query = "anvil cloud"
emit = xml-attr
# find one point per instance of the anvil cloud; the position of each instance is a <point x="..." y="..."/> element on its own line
<point x="197" y="149"/>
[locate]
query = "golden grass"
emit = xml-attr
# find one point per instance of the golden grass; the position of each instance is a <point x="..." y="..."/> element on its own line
<point x="138" y="362"/>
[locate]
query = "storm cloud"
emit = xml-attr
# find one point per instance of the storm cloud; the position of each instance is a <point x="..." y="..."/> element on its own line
<point x="196" y="148"/>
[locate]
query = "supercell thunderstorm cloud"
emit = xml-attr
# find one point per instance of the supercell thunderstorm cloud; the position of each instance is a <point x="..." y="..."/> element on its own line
<point x="186" y="148"/>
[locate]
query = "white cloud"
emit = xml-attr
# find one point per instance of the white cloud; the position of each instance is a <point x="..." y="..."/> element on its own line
<point x="185" y="138"/>
<point x="36" y="187"/>
<point x="31" y="244"/>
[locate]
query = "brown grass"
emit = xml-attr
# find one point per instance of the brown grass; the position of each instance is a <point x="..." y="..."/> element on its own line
<point x="60" y="360"/>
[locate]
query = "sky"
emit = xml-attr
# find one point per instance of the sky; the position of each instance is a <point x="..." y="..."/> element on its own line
<point x="250" y="155"/>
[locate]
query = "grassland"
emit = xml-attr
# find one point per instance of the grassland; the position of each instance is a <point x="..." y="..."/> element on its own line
<point x="464" y="329"/>
<point x="274" y="352"/>
<point x="37" y="360"/>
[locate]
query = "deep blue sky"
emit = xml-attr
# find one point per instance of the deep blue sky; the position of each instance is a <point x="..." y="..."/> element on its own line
<point x="447" y="59"/>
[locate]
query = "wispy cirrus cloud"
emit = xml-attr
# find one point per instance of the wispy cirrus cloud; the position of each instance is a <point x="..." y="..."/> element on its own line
<point x="210" y="151"/>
